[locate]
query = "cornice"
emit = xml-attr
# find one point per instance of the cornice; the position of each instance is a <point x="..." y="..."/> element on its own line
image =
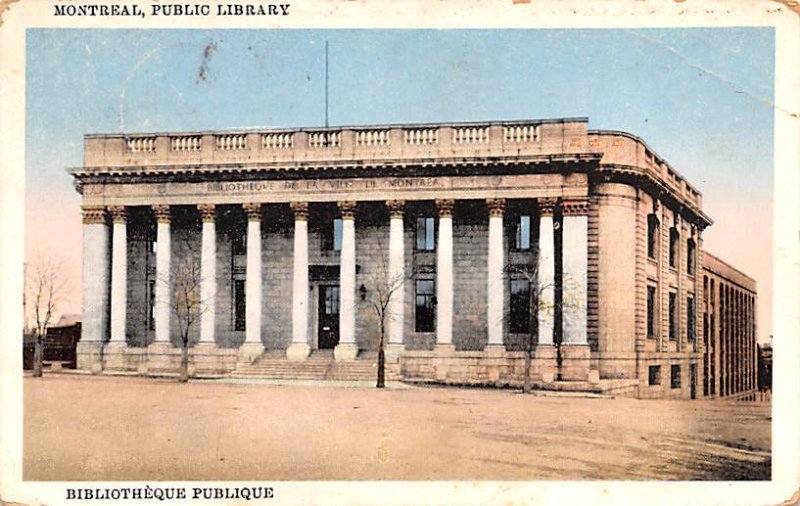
<point x="639" y="176"/>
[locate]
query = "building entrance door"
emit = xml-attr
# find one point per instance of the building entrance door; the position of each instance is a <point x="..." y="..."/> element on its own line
<point x="328" y="326"/>
<point x="693" y="380"/>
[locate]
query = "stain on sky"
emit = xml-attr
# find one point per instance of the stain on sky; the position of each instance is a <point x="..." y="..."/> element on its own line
<point x="204" y="75"/>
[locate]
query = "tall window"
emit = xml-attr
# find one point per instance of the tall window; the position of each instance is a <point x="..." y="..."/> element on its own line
<point x="239" y="306"/>
<point x="651" y="311"/>
<point x="673" y="308"/>
<point x="523" y="233"/>
<point x="690" y="256"/>
<point x="675" y="376"/>
<point x="690" y="322"/>
<point x="426" y="233"/>
<point x="652" y="236"/>
<point x="331" y="235"/>
<point x="520" y="317"/>
<point x="654" y="375"/>
<point x="425" y="305"/>
<point x="674" y="240"/>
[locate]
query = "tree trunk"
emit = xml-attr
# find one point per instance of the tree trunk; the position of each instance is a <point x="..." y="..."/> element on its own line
<point x="526" y="384"/>
<point x="381" y="366"/>
<point x="38" y="356"/>
<point x="184" y="362"/>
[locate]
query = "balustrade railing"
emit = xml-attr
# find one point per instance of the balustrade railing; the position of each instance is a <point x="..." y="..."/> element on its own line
<point x="520" y="133"/>
<point x="418" y="136"/>
<point x="325" y="139"/>
<point x="372" y="137"/>
<point x="277" y="140"/>
<point x="470" y="135"/>
<point x="186" y="143"/>
<point x="145" y="144"/>
<point x="231" y="142"/>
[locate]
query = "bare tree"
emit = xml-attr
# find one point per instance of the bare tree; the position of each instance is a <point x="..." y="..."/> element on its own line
<point x="530" y="273"/>
<point x="569" y="302"/>
<point x="186" y="301"/>
<point x="46" y="287"/>
<point x="383" y="288"/>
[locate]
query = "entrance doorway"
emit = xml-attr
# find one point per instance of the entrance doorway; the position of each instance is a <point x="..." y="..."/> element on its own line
<point x="693" y="380"/>
<point x="328" y="318"/>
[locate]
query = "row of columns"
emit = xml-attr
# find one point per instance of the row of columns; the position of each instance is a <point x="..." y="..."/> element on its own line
<point x="574" y="275"/>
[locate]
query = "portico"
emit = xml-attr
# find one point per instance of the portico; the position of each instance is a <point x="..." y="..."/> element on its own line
<point x="488" y="237"/>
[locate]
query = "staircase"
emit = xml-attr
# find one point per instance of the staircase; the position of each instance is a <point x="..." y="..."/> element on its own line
<point x="319" y="366"/>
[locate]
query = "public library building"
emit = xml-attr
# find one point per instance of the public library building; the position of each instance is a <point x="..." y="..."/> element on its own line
<point x="489" y="236"/>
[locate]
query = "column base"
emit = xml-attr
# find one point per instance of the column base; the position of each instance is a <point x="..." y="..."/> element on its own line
<point x="114" y="355"/>
<point x="345" y="351"/>
<point x="161" y="357"/>
<point x="206" y="358"/>
<point x="393" y="351"/>
<point x="544" y="357"/>
<point x="89" y="356"/>
<point x="494" y="350"/>
<point x="298" y="351"/>
<point x="250" y="351"/>
<point x="575" y="362"/>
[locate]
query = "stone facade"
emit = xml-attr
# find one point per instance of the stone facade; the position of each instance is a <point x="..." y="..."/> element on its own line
<point x="492" y="238"/>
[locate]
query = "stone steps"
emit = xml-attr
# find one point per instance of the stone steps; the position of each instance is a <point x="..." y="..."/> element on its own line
<point x="319" y="366"/>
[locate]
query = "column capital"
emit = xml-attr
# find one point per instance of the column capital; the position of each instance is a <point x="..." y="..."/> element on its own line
<point x="347" y="208"/>
<point x="118" y="214"/>
<point x="207" y="212"/>
<point x="93" y="215"/>
<point x="300" y="210"/>
<point x="161" y="213"/>
<point x="396" y="208"/>
<point x="445" y="207"/>
<point x="546" y="206"/>
<point x="496" y="206"/>
<point x="253" y="210"/>
<point x="575" y="206"/>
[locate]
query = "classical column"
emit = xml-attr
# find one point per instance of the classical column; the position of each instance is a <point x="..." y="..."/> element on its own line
<point x="300" y="349"/>
<point x="163" y="284"/>
<point x="494" y="273"/>
<point x="575" y="254"/>
<point x="208" y="274"/>
<point x="119" y="275"/>
<point x="444" y="276"/>
<point x="395" y="313"/>
<point x="347" y="348"/>
<point x="95" y="288"/>
<point x="547" y="270"/>
<point x="252" y="346"/>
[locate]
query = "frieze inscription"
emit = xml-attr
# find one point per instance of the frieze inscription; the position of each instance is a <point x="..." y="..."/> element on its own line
<point x="323" y="185"/>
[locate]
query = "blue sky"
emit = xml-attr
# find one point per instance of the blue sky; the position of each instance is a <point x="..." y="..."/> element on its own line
<point x="701" y="98"/>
